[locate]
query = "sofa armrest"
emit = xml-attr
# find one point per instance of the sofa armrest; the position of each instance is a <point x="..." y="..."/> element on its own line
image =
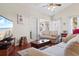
<point x="72" y="50"/>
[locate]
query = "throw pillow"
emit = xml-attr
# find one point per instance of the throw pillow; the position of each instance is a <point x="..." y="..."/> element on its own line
<point x="66" y="39"/>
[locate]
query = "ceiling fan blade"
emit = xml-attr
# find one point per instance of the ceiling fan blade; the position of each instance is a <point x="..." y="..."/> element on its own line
<point x="58" y="4"/>
<point x="51" y="4"/>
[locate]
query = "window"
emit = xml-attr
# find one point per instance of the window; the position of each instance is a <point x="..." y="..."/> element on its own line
<point x="5" y="23"/>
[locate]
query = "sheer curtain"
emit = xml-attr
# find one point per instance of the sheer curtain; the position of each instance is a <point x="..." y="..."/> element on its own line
<point x="55" y="25"/>
<point x="69" y="26"/>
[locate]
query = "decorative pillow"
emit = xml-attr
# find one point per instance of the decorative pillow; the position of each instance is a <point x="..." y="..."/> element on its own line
<point x="53" y="33"/>
<point x="45" y="33"/>
<point x="70" y="36"/>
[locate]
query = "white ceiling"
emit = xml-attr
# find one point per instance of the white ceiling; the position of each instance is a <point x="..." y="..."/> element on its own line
<point x="39" y="7"/>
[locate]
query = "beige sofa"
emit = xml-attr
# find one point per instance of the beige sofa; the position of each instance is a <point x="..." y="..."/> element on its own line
<point x="52" y="35"/>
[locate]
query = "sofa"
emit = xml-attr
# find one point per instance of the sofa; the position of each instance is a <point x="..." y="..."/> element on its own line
<point x="51" y="35"/>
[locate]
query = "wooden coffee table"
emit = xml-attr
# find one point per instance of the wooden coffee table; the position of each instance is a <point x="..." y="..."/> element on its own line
<point x="40" y="43"/>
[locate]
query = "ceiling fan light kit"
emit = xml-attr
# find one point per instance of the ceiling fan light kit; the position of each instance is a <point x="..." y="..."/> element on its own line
<point x="52" y="6"/>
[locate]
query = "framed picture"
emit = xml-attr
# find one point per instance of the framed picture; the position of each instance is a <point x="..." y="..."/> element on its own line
<point x="19" y="19"/>
<point x="74" y="19"/>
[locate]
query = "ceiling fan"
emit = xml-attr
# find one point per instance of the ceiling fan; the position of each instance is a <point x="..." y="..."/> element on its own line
<point x="52" y="5"/>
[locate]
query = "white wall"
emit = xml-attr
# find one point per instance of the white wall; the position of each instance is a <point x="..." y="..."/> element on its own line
<point x="30" y="16"/>
<point x="65" y="14"/>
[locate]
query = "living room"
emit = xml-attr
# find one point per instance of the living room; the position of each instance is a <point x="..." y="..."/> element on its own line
<point x="32" y="23"/>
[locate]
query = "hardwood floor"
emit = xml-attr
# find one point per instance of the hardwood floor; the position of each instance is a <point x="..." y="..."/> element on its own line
<point x="17" y="48"/>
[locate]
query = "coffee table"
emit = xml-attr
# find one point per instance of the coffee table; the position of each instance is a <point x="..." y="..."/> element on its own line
<point x="40" y="43"/>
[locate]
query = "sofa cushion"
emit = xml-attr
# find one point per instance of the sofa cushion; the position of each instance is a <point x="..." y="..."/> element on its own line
<point x="45" y="33"/>
<point x="53" y="33"/>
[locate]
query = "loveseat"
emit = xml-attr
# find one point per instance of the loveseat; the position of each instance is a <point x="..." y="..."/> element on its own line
<point x="51" y="35"/>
